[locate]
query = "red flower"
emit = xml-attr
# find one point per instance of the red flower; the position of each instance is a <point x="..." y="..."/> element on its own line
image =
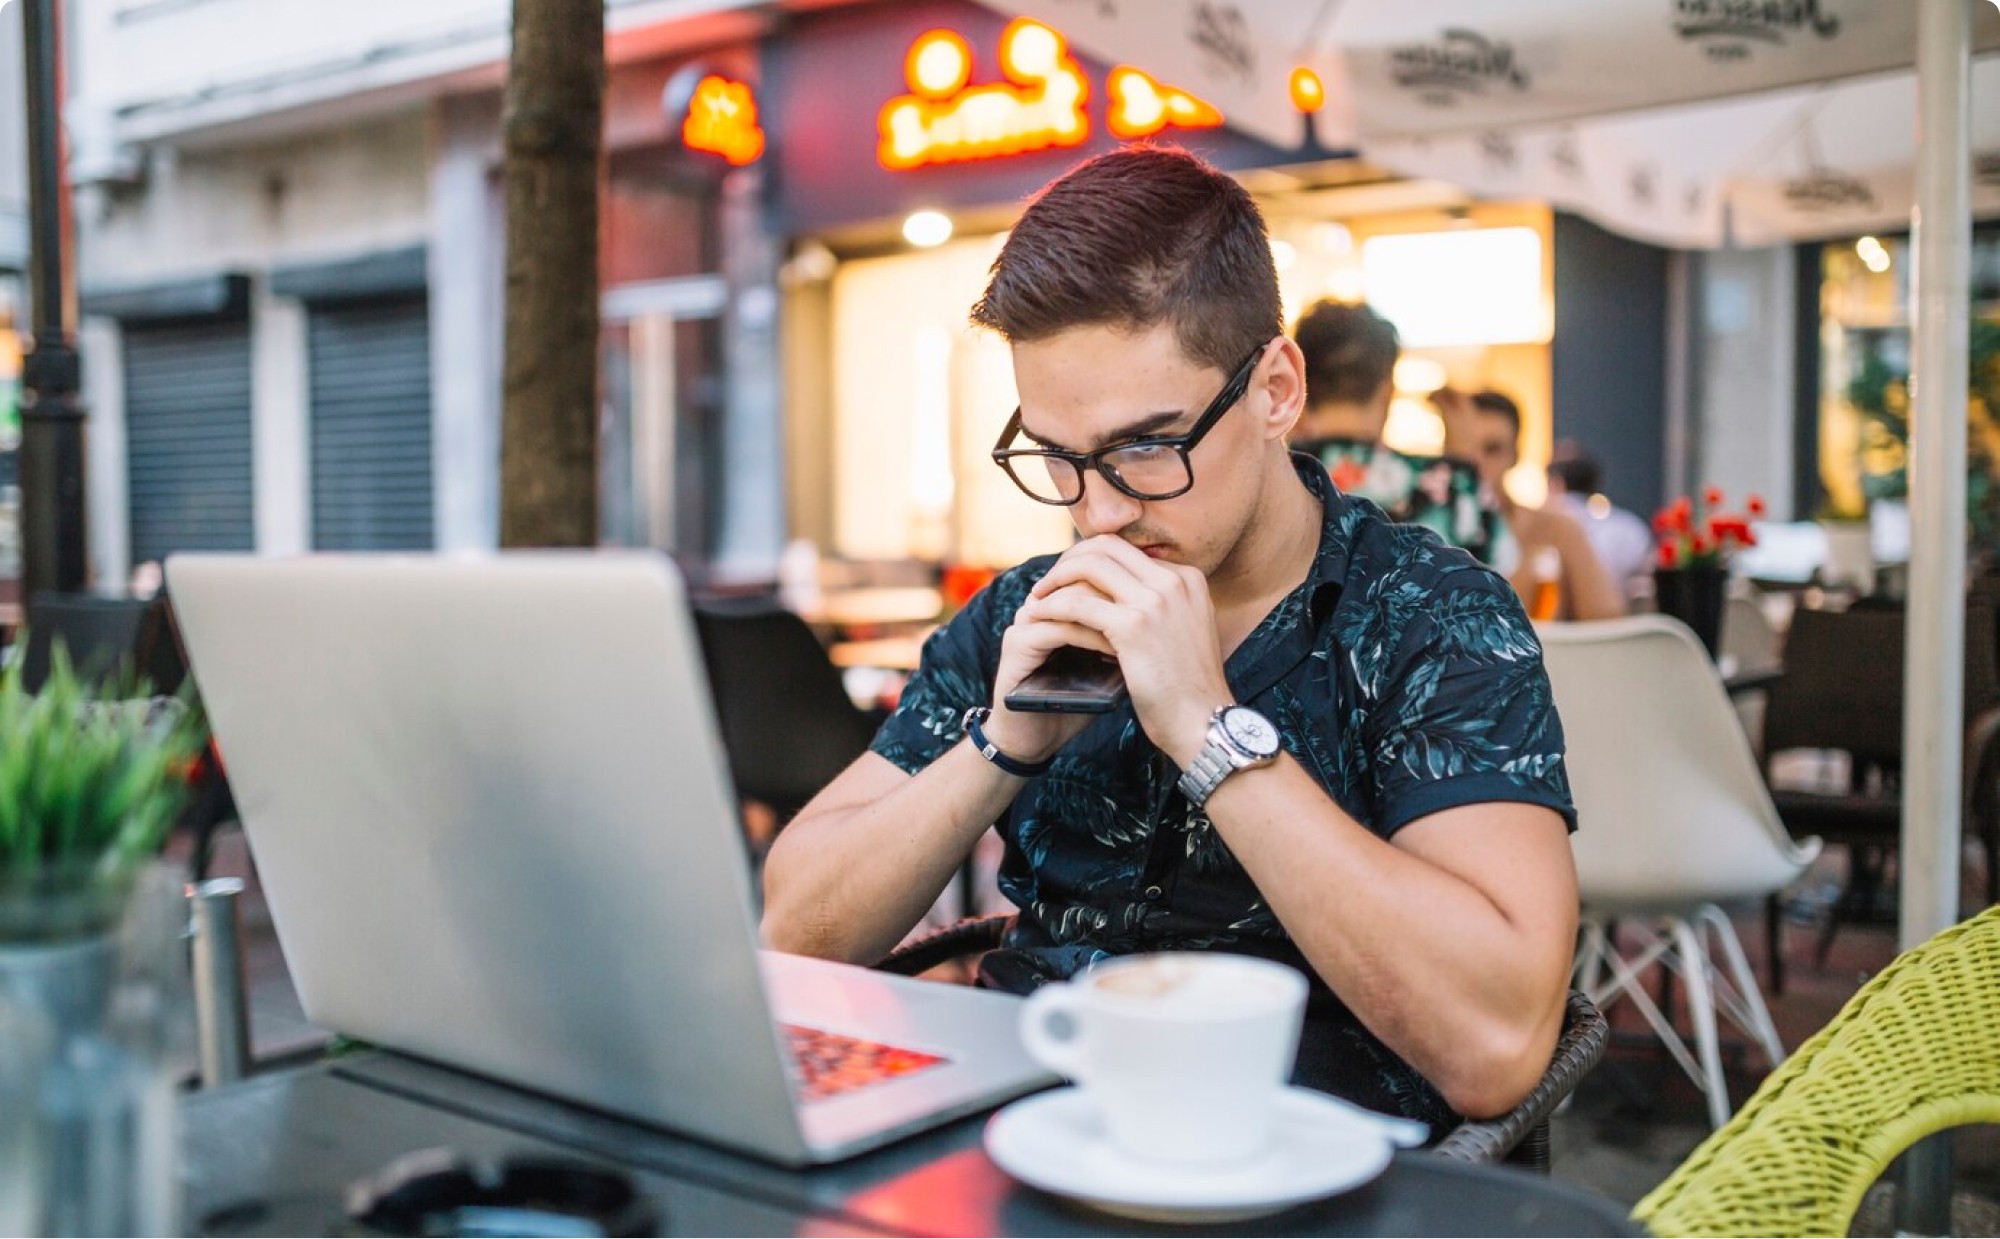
<point x="1701" y="545"/>
<point x="1754" y="506"/>
<point x="1730" y="529"/>
<point x="1663" y="521"/>
<point x="1712" y="496"/>
<point x="1670" y="555"/>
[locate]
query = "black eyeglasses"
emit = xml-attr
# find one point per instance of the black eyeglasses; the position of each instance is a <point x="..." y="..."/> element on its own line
<point x="1149" y="468"/>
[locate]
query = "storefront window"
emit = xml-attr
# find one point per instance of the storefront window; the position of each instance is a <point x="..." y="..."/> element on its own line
<point x="918" y="398"/>
<point x="1864" y="408"/>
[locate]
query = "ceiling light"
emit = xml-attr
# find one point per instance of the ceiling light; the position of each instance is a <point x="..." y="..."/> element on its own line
<point x="925" y="229"/>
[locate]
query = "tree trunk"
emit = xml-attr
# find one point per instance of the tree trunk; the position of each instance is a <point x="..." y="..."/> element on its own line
<point x="553" y="131"/>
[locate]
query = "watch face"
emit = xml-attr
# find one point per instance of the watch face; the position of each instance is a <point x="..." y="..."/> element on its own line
<point x="1251" y="731"/>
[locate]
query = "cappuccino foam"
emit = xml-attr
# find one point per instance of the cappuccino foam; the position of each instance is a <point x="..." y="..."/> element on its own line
<point x="1194" y="986"/>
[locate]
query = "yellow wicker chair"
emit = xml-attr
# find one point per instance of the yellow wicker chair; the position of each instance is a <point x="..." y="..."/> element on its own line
<point x="1915" y="1052"/>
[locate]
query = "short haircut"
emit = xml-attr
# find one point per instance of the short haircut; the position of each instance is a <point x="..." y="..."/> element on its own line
<point x="1350" y="351"/>
<point x="1499" y="405"/>
<point x="1132" y="239"/>
<point x="1578" y="471"/>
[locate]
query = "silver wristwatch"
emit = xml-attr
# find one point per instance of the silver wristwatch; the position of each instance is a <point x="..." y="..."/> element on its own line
<point x="1238" y="739"/>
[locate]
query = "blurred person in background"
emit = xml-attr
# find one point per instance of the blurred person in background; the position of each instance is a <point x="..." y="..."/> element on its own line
<point x="1559" y="576"/>
<point x="1337" y="750"/>
<point x="1350" y="357"/>
<point x="1622" y="540"/>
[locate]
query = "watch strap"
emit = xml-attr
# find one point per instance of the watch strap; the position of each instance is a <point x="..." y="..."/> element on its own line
<point x="991" y="751"/>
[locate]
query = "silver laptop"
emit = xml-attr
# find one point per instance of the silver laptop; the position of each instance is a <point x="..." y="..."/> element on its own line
<point x="493" y="819"/>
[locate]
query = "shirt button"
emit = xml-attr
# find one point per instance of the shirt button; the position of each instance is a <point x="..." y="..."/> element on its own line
<point x="1154" y="892"/>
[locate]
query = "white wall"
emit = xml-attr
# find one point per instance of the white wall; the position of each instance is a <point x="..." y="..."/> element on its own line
<point x="160" y="69"/>
<point x="13" y="142"/>
<point x="467" y="281"/>
<point x="1744" y="393"/>
<point x="339" y="193"/>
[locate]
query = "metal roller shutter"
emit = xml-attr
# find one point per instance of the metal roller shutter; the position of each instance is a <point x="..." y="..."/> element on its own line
<point x="187" y="433"/>
<point x="370" y="386"/>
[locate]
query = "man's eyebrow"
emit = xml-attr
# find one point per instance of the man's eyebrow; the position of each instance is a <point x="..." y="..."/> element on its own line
<point x="1146" y="427"/>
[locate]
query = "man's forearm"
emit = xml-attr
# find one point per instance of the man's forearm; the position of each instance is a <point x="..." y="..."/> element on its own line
<point x="1468" y="994"/>
<point x="859" y="867"/>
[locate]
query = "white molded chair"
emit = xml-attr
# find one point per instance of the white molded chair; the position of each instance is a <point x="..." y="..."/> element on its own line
<point x="1674" y="821"/>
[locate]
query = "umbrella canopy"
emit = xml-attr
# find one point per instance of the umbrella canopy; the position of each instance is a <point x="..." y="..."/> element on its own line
<point x="1687" y="123"/>
<point x="1832" y="159"/>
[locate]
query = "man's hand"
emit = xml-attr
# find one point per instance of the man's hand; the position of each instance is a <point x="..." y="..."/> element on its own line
<point x="1154" y="617"/>
<point x="1461" y="421"/>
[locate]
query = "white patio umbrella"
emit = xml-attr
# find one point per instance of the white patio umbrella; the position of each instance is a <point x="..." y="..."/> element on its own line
<point x="1647" y="114"/>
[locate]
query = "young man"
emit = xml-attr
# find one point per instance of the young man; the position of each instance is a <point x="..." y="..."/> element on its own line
<point x="1553" y="546"/>
<point x="1350" y="356"/>
<point x="1339" y="748"/>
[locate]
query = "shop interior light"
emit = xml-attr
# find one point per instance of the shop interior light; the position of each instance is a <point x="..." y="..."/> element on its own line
<point x="1333" y="238"/>
<point x="1283" y="254"/>
<point x="1494" y="275"/>
<point x="1308" y="92"/>
<point x="925" y="229"/>
<point x="1419" y="376"/>
<point x="1874" y="255"/>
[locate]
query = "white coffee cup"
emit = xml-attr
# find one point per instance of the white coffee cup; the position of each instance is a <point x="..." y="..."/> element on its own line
<point x="1185" y="1054"/>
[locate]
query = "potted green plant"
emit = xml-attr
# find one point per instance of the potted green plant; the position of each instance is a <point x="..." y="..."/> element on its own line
<point x="90" y="782"/>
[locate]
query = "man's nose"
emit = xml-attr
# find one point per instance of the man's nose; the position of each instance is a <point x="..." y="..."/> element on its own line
<point x="1104" y="508"/>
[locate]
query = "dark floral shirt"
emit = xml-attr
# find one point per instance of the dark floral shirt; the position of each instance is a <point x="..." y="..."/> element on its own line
<point x="1401" y="674"/>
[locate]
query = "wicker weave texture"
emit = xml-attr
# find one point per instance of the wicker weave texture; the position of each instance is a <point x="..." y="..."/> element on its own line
<point x="1915" y="1052"/>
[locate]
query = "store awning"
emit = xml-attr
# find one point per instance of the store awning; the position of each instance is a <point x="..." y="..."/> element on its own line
<point x="1687" y="123"/>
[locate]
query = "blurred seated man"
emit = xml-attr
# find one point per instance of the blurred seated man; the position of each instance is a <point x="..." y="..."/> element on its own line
<point x="1350" y="356"/>
<point x="1338" y="748"/>
<point x="1554" y="549"/>
<point x="1623" y="542"/>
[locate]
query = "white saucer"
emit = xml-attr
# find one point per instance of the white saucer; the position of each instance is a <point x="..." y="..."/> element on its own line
<point x="1056" y="1141"/>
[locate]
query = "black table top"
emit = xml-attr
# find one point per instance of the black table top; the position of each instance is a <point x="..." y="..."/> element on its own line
<point x="276" y="1154"/>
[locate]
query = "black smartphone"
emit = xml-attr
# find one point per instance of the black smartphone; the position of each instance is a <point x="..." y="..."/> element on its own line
<point x="1072" y="680"/>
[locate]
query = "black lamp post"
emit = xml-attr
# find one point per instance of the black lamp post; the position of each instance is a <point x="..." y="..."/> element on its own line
<point x="51" y="454"/>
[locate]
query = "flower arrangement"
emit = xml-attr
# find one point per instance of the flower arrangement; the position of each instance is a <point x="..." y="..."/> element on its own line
<point x="1702" y="535"/>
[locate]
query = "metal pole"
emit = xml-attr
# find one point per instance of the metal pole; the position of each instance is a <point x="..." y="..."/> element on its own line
<point x="53" y="553"/>
<point x="221" y="1008"/>
<point x="1933" y="712"/>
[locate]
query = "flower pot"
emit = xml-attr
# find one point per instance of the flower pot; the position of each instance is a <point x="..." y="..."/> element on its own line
<point x="1694" y="596"/>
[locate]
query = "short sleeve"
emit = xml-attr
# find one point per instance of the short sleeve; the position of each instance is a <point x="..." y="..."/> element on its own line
<point x="956" y="673"/>
<point x="1462" y="712"/>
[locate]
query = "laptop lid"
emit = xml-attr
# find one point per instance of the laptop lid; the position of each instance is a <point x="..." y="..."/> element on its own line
<point x="488" y="804"/>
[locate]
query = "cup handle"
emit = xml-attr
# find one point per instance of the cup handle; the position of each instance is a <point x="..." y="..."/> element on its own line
<point x="1062" y="1055"/>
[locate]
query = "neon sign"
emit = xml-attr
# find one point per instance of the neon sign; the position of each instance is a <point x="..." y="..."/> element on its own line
<point x="946" y="120"/>
<point x="722" y="118"/>
<point x="1141" y="106"/>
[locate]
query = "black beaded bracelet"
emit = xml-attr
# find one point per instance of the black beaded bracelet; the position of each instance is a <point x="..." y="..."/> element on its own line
<point x="991" y="751"/>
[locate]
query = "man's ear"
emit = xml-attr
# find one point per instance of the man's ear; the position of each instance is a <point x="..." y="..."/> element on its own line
<point x="1282" y="379"/>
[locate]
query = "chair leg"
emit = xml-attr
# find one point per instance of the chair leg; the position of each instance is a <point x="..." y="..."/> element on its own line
<point x="1774" y="941"/>
<point x="1748" y="1010"/>
<point x="1701" y="1013"/>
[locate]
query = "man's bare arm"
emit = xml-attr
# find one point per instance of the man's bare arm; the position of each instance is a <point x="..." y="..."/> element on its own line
<point x="1452" y="943"/>
<point x="861" y="864"/>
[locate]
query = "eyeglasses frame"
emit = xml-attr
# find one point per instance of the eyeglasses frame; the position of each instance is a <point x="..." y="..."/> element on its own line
<point x="1093" y="461"/>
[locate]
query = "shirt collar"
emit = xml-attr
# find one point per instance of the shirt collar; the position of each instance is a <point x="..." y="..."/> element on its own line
<point x="1339" y="520"/>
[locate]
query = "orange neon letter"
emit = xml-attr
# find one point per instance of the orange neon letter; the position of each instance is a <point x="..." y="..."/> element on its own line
<point x="1141" y="107"/>
<point x="946" y="120"/>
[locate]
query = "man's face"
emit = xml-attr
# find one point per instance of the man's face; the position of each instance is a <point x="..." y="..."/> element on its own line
<point x="1092" y="387"/>
<point x="1495" y="447"/>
